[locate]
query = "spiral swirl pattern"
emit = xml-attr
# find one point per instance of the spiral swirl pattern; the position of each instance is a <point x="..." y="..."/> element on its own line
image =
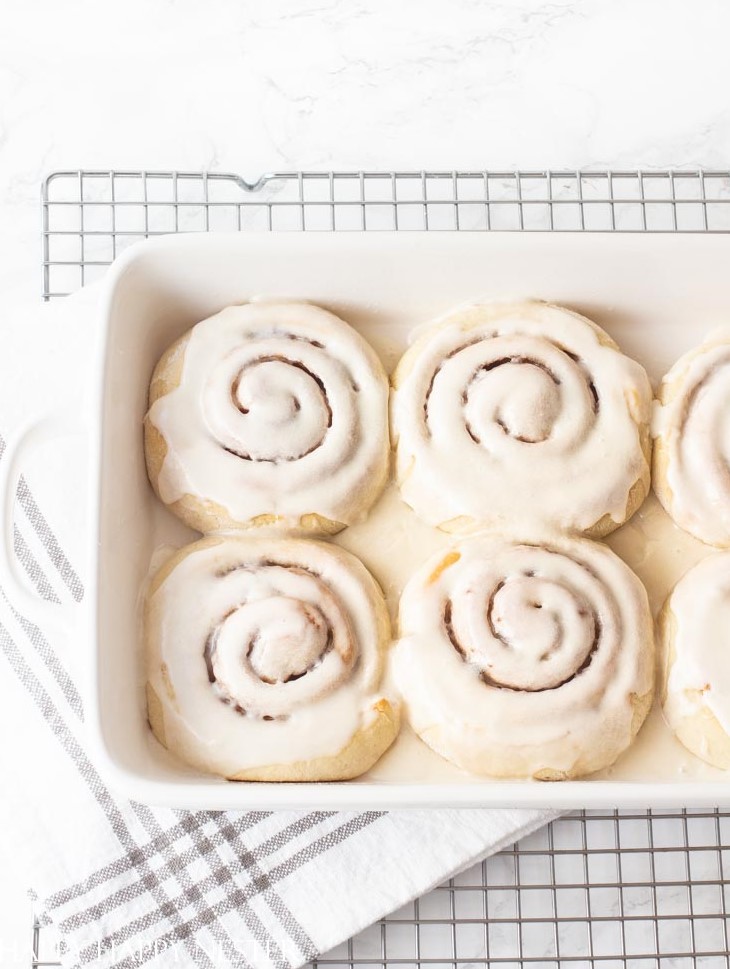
<point x="499" y="405"/>
<point x="692" y="459"/>
<point x="526" y="660"/>
<point x="277" y="415"/>
<point x="266" y="654"/>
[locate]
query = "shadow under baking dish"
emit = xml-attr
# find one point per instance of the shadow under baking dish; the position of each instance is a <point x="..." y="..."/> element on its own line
<point x="657" y="295"/>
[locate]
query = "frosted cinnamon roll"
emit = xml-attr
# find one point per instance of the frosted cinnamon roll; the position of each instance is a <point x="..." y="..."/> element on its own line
<point x="264" y="660"/>
<point x="692" y="446"/>
<point x="512" y="412"/>
<point x="526" y="660"/>
<point x="268" y="414"/>
<point x="694" y="651"/>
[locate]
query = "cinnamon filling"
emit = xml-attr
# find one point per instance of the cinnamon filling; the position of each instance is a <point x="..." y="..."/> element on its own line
<point x="235" y="400"/>
<point x="491" y="681"/>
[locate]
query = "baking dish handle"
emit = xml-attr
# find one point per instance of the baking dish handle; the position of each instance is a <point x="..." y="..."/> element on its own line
<point x="26" y="440"/>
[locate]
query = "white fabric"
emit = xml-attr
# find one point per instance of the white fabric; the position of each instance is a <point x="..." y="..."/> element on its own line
<point x="128" y="885"/>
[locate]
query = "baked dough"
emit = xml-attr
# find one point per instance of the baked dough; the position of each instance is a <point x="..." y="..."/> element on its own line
<point x="526" y="658"/>
<point x="691" y="464"/>
<point x="510" y="414"/>
<point x="264" y="660"/>
<point x="694" y="638"/>
<point x="269" y="414"/>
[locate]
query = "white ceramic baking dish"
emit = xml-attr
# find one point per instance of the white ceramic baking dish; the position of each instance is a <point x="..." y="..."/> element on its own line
<point x="656" y="294"/>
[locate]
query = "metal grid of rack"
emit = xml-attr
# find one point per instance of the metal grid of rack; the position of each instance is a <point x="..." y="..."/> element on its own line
<point x="90" y="217"/>
<point x="616" y="889"/>
<point x="606" y="890"/>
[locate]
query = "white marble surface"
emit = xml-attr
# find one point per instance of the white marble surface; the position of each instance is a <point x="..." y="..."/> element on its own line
<point x="279" y="84"/>
<point x="354" y="83"/>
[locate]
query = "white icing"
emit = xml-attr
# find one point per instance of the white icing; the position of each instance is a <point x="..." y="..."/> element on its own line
<point x="695" y="429"/>
<point x="298" y="399"/>
<point x="500" y="405"/>
<point x="537" y="651"/>
<point x="700" y="673"/>
<point x="291" y="632"/>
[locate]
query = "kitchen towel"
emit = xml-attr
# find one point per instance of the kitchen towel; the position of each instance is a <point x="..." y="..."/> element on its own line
<point x="125" y="884"/>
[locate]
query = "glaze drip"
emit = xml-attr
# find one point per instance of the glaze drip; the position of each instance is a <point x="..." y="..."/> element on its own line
<point x="489" y="427"/>
<point x="521" y="658"/>
<point x="280" y="411"/>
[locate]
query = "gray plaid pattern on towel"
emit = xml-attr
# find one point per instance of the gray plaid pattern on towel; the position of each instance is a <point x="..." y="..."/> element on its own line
<point x="187" y="869"/>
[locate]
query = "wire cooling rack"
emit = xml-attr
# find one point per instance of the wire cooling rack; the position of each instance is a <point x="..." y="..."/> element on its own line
<point x="90" y="217"/>
<point x="614" y="890"/>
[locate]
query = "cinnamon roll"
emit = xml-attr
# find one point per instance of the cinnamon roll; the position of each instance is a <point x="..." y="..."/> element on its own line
<point x="692" y="447"/>
<point x="264" y="660"/>
<point x="519" y="659"/>
<point x="695" y="659"/>
<point x="509" y="413"/>
<point x="268" y="414"/>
